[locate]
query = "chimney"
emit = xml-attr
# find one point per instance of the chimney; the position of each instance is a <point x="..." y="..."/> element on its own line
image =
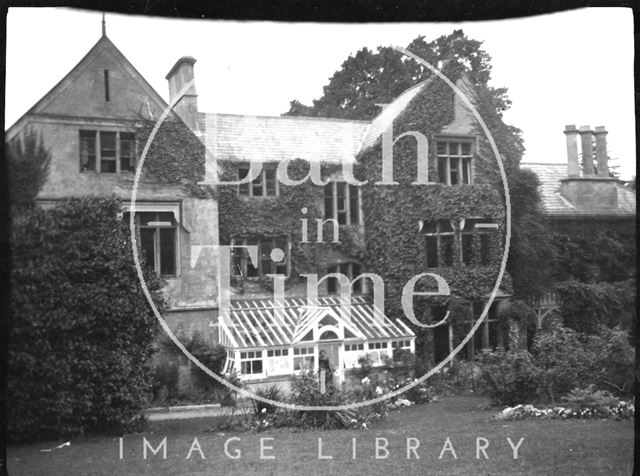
<point x="586" y="136"/>
<point x="589" y="192"/>
<point x="601" y="151"/>
<point x="573" y="170"/>
<point x="187" y="106"/>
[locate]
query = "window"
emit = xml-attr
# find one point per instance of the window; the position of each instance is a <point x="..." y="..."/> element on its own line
<point x="475" y="237"/>
<point x="401" y="344"/>
<point x="439" y="241"/>
<point x="454" y="161"/>
<point x="351" y="270"/>
<point x="242" y="266"/>
<point x="353" y="347"/>
<point x="107" y="152"/>
<point x="278" y="353"/>
<point x="251" y="362"/>
<point x="303" y="358"/>
<point x="342" y="203"/>
<point x="376" y="345"/>
<point x="264" y="185"/>
<point x="157" y="240"/>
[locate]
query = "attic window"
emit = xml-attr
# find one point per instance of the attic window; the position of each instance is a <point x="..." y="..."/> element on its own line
<point x="106" y="85"/>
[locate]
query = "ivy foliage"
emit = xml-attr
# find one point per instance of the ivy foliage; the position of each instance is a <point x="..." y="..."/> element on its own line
<point x="281" y="216"/>
<point x="175" y="156"/>
<point x="82" y="331"/>
<point x="395" y="247"/>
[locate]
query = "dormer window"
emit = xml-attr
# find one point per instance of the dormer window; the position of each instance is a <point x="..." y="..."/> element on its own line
<point x="454" y="161"/>
<point x="107" y="152"/>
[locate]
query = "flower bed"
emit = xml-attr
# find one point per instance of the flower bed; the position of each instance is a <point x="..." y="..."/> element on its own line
<point x="620" y="411"/>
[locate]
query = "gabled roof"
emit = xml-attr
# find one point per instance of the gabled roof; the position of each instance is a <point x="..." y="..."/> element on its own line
<point x="555" y="204"/>
<point x="252" y="323"/>
<point x="103" y="46"/>
<point x="275" y="138"/>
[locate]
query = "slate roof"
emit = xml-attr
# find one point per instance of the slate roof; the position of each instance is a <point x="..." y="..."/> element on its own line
<point x="555" y="204"/>
<point x="275" y="138"/>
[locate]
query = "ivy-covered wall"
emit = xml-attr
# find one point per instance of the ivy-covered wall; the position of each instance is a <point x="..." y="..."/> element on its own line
<point x="281" y="216"/>
<point x="395" y="246"/>
<point x="392" y="245"/>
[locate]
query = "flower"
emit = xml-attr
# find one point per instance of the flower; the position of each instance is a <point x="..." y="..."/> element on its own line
<point x="366" y="381"/>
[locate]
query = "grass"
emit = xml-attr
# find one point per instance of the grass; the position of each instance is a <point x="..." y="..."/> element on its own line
<point x="569" y="447"/>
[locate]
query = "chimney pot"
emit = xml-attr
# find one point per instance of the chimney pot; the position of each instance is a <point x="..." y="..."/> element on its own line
<point x="586" y="136"/>
<point x="572" y="150"/>
<point x="601" y="151"/>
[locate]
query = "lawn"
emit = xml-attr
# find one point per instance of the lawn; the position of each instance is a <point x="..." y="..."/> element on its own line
<point x="549" y="447"/>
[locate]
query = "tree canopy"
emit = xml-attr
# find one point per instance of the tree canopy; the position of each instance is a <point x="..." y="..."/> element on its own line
<point x="369" y="78"/>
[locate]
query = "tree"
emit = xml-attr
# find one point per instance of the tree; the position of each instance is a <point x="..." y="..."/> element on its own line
<point x="28" y="161"/>
<point x="369" y="78"/>
<point x="82" y="333"/>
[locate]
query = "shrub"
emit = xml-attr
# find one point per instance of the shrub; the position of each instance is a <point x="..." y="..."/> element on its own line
<point x="564" y="359"/>
<point x="508" y="377"/>
<point x="272" y="392"/>
<point x="165" y="382"/>
<point x="600" y="401"/>
<point x="211" y="356"/>
<point x="614" y="361"/>
<point x="82" y="333"/>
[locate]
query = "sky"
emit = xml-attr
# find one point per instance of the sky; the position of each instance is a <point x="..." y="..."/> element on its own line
<point x="573" y="67"/>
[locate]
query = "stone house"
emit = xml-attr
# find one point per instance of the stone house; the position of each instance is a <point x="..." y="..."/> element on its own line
<point x="581" y="199"/>
<point x="97" y="119"/>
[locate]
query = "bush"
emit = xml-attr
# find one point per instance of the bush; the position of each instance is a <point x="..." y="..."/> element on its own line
<point x="600" y="401"/>
<point x="211" y="356"/>
<point x="508" y="377"/>
<point x="82" y="333"/>
<point x="614" y="361"/>
<point x="272" y="392"/>
<point x="564" y="359"/>
<point x="165" y="382"/>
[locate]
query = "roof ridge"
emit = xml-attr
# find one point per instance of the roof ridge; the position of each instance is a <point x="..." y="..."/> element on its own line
<point x="261" y="116"/>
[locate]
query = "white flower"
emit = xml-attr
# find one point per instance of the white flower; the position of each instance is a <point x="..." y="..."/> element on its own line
<point x="366" y="381"/>
<point x="378" y="391"/>
<point x="264" y="410"/>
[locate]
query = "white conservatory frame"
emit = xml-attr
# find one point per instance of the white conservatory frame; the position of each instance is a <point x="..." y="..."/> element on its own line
<point x="287" y="336"/>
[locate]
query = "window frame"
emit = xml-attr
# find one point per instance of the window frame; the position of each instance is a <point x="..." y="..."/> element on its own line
<point x="256" y="356"/>
<point x="482" y="227"/>
<point x="157" y="240"/>
<point x="351" y="208"/>
<point x="247" y="190"/>
<point x="464" y="161"/>
<point x="98" y="159"/>
<point x="350" y="274"/>
<point x="241" y="254"/>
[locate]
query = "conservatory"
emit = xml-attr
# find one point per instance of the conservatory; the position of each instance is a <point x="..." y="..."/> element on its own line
<point x="270" y="342"/>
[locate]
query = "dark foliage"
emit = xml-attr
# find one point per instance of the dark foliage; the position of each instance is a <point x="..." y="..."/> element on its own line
<point x="82" y="331"/>
<point x="28" y="161"/>
<point x="369" y="78"/>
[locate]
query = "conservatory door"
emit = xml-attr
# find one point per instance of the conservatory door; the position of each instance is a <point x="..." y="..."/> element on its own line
<point x="332" y="353"/>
